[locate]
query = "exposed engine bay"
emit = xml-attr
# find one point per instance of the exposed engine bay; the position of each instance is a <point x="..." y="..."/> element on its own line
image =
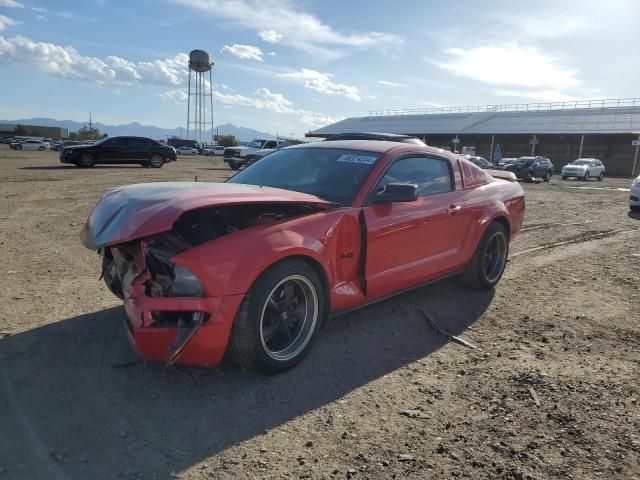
<point x="123" y="262"/>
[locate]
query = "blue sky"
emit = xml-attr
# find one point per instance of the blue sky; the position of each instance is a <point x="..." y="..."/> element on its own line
<point x="290" y="66"/>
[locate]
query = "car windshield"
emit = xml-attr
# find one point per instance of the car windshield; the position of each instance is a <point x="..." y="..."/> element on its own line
<point x="330" y="173"/>
<point x="581" y="162"/>
<point x="256" y="144"/>
<point x="100" y="142"/>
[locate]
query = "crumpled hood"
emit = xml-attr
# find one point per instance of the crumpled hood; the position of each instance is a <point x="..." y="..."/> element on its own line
<point x="136" y="211"/>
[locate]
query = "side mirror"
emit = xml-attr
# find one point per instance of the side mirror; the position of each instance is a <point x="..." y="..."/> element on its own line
<point x="397" y="192"/>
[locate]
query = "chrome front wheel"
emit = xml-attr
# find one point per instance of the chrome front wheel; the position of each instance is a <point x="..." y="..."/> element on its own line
<point x="289" y="317"/>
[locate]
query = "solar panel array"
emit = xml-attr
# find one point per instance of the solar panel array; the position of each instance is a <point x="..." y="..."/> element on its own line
<point x="600" y="120"/>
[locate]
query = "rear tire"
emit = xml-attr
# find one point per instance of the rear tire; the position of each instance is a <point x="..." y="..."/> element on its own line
<point x="156" y="161"/>
<point x="41" y="149"/>
<point x="586" y="177"/>
<point x="564" y="177"/>
<point x="18" y="147"/>
<point x="279" y="318"/>
<point x="488" y="263"/>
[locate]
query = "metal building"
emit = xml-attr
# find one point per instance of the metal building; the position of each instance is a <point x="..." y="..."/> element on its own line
<point x="563" y="131"/>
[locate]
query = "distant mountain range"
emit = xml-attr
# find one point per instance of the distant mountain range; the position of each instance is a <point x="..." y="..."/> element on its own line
<point x="136" y="129"/>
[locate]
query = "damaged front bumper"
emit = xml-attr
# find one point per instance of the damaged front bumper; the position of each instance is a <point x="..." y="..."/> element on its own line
<point x="179" y="330"/>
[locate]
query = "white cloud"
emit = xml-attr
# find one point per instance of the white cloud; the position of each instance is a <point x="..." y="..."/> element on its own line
<point x="387" y="83"/>
<point x="6" y="22"/>
<point x="550" y="24"/>
<point x="243" y="52"/>
<point x="299" y="29"/>
<point x="540" y="95"/>
<point x="11" y="4"/>
<point x="316" y="120"/>
<point x="262" y="99"/>
<point x="270" y="36"/>
<point x="39" y="9"/>
<point x="67" y="62"/>
<point x="321" y="82"/>
<point x="272" y="54"/>
<point x="175" y="96"/>
<point x="169" y="71"/>
<point x="511" y="64"/>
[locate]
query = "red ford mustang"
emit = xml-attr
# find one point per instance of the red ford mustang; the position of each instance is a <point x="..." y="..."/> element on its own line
<point x="257" y="264"/>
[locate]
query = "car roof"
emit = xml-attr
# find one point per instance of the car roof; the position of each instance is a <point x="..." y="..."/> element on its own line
<point x="377" y="146"/>
<point x="379" y="136"/>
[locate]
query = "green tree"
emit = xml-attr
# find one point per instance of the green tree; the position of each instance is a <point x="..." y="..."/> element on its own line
<point x="228" y="141"/>
<point x="20" y="130"/>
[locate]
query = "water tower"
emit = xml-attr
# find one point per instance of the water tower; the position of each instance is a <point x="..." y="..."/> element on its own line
<point x="199" y="115"/>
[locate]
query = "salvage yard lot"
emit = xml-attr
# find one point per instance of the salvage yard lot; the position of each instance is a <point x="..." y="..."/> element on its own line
<point x="381" y="394"/>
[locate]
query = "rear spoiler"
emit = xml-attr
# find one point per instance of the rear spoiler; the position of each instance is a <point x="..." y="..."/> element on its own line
<point x="502" y="174"/>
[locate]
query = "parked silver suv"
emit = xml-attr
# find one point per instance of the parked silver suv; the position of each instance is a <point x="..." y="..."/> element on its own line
<point x="584" y="169"/>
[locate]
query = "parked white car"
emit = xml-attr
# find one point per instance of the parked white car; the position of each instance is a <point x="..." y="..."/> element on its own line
<point x="634" y="195"/>
<point x="32" y="145"/>
<point x="584" y="169"/>
<point x="186" y="151"/>
<point x="213" y="150"/>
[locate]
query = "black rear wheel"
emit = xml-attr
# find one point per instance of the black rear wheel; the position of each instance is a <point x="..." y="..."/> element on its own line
<point x="156" y="161"/>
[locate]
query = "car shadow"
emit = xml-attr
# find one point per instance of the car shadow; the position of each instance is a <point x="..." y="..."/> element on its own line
<point x="633" y="215"/>
<point x="60" y="167"/>
<point x="77" y="403"/>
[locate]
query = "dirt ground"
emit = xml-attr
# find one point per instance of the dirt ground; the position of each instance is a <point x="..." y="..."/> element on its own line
<point x="381" y="395"/>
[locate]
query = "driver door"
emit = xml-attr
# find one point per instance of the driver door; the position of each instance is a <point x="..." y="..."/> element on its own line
<point x="409" y="243"/>
<point x="114" y="150"/>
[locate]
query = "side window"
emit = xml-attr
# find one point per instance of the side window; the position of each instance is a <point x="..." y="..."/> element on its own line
<point x="138" y="143"/>
<point x="270" y="144"/>
<point x="117" y="142"/>
<point x="430" y="174"/>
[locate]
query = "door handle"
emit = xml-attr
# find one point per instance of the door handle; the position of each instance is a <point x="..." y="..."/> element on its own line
<point x="454" y="209"/>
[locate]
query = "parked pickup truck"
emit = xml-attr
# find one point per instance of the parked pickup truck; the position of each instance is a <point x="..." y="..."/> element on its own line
<point x="236" y="157"/>
<point x="143" y="151"/>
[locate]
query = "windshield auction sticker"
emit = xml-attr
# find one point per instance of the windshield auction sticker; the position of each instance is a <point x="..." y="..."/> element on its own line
<point x="364" y="159"/>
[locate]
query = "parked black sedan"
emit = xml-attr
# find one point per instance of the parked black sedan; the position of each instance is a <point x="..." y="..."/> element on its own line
<point x="529" y="168"/>
<point x="140" y="150"/>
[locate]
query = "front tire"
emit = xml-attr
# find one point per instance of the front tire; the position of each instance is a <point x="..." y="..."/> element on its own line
<point x="279" y="318"/>
<point x="547" y="177"/>
<point x="564" y="177"/>
<point x="110" y="275"/>
<point x="87" y="160"/>
<point x="586" y="177"/>
<point x="488" y="263"/>
<point x="601" y="176"/>
<point x="41" y="149"/>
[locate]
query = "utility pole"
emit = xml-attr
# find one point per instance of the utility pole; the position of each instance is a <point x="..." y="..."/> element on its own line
<point x="635" y="157"/>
